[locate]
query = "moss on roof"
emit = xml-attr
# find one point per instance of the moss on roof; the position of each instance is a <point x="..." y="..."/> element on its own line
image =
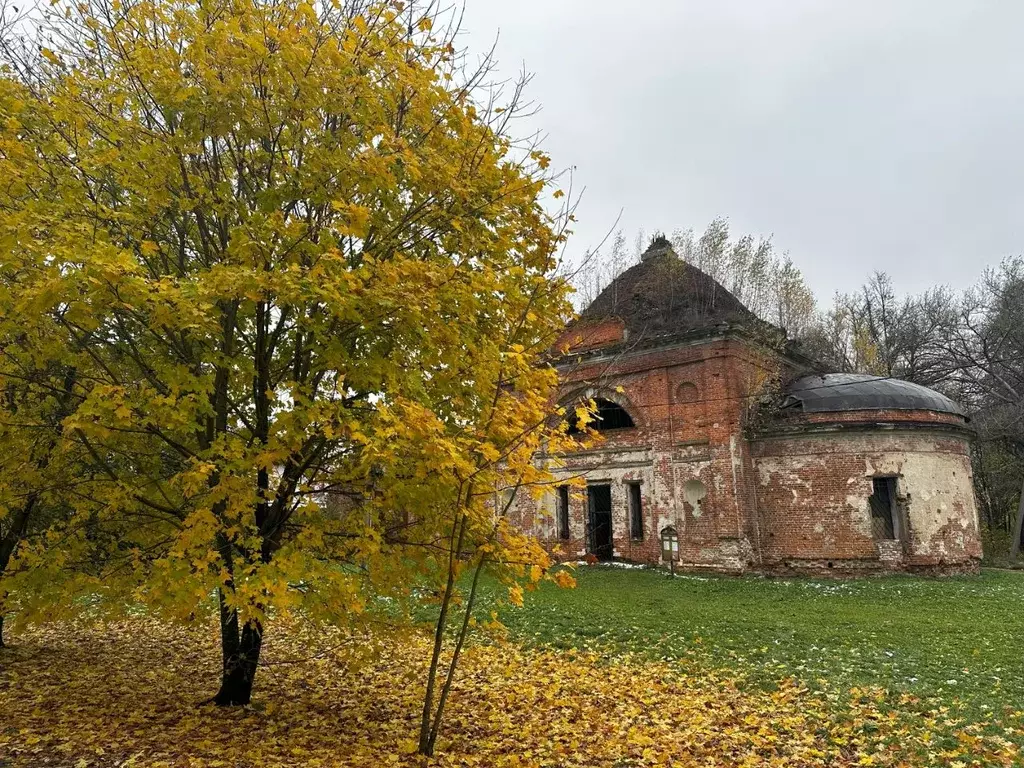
<point x="665" y="296"/>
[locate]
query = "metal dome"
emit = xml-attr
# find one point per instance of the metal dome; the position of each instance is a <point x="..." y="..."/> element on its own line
<point x="831" y="392"/>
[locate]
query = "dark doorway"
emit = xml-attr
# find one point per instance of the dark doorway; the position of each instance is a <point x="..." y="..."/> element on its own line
<point x="883" y="515"/>
<point x="600" y="503"/>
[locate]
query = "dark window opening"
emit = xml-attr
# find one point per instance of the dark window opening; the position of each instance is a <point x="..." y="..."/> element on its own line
<point x="563" y="512"/>
<point x="609" y="416"/>
<point x="636" y="512"/>
<point x="883" y="513"/>
<point x="599" y="532"/>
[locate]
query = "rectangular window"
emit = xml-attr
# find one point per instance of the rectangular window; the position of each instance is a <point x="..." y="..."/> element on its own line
<point x="883" y="513"/>
<point x="636" y="512"/>
<point x="562" y="512"/>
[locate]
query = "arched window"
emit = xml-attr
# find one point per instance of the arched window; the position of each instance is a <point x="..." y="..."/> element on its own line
<point x="609" y="416"/>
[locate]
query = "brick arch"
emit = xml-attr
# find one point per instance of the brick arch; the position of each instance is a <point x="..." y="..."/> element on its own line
<point x="636" y="413"/>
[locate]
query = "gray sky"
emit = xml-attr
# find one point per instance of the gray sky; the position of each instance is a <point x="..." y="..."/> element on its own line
<point x="860" y="135"/>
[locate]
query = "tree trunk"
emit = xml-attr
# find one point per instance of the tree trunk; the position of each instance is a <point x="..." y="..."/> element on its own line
<point x="240" y="655"/>
<point x="454" y="547"/>
<point x="1019" y="527"/>
<point x="435" y="728"/>
<point x="9" y="543"/>
<point x="19" y="526"/>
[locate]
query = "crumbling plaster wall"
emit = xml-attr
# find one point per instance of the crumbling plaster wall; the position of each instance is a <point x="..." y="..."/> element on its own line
<point x="687" y="403"/>
<point x="813" y="492"/>
<point x="798" y="499"/>
<point x="676" y="489"/>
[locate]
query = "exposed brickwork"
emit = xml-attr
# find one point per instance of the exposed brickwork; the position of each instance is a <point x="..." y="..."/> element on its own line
<point x="813" y="492"/>
<point x="794" y="499"/>
<point x="874" y="417"/>
<point x="593" y="336"/>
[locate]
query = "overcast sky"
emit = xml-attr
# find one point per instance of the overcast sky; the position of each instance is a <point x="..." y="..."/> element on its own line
<point x="860" y="135"/>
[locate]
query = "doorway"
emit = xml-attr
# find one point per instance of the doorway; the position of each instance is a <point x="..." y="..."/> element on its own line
<point x="599" y="499"/>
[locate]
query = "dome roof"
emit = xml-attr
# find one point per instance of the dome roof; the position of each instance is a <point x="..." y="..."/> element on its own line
<point x="830" y="392"/>
<point x="665" y="295"/>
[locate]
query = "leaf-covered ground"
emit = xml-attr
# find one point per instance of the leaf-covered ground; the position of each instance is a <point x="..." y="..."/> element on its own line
<point x="127" y="694"/>
<point x="956" y="641"/>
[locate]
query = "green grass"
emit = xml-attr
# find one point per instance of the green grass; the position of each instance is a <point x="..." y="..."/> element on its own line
<point x="958" y="640"/>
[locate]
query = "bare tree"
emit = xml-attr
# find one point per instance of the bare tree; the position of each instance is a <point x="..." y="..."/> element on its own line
<point x="873" y="330"/>
<point x="984" y="352"/>
<point x="770" y="286"/>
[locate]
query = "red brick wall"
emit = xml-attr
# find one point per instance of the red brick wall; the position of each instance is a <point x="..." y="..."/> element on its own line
<point x="874" y="417"/>
<point x="795" y="500"/>
<point x="812" y="493"/>
<point x="687" y="403"/>
<point x="603" y="334"/>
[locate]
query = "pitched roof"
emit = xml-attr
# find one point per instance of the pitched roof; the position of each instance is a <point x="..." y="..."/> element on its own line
<point x="665" y="296"/>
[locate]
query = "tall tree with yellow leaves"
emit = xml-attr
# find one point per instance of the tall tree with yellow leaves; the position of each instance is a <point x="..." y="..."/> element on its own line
<point x="37" y="467"/>
<point x="284" y="239"/>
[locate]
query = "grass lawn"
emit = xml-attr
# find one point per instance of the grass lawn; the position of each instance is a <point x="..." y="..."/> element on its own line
<point x="955" y="639"/>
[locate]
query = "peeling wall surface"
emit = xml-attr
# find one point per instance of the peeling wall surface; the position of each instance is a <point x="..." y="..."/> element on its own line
<point x="793" y="498"/>
<point x="813" y="499"/>
<point x="685" y="452"/>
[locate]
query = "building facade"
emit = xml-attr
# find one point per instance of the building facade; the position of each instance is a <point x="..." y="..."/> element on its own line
<point x="715" y="436"/>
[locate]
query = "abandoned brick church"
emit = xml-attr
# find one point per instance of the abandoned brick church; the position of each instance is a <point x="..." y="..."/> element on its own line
<point x="721" y="438"/>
